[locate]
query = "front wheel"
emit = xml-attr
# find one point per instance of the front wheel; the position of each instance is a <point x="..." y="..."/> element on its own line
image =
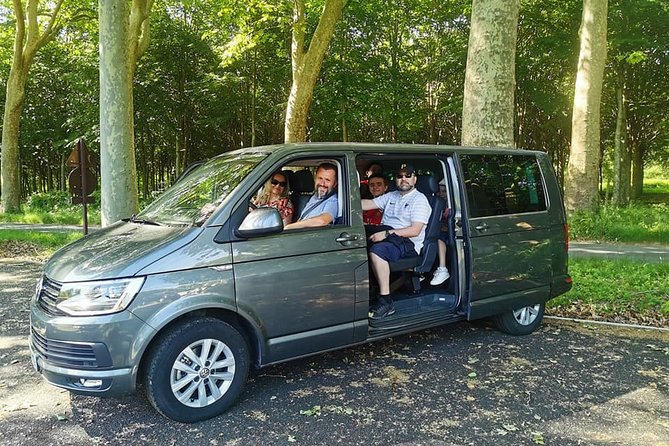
<point x="196" y="370"/>
<point x="521" y="321"/>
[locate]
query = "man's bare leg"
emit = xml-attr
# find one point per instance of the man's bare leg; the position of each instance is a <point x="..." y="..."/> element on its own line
<point x="382" y="272"/>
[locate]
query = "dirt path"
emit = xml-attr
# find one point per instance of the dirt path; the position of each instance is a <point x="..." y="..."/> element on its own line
<point x="463" y="384"/>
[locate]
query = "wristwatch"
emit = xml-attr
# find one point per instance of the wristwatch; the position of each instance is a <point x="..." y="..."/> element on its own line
<point x="387" y="233"/>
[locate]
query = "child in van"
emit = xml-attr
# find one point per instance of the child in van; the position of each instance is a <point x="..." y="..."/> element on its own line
<point x="441" y="274"/>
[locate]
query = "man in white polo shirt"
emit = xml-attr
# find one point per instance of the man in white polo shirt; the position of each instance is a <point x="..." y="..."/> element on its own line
<point x="406" y="211"/>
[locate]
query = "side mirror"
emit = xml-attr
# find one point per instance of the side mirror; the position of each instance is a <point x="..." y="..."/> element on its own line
<point x="259" y="222"/>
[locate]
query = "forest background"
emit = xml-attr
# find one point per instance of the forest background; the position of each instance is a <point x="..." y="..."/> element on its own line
<point x="217" y="75"/>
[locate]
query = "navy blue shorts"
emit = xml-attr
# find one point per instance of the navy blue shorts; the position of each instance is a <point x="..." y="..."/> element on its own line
<point x="392" y="251"/>
<point x="443" y="236"/>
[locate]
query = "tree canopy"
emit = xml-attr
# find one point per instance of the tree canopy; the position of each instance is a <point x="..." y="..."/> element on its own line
<point x="217" y="76"/>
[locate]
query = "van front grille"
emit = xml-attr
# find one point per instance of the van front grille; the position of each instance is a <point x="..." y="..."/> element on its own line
<point x="48" y="297"/>
<point x="82" y="355"/>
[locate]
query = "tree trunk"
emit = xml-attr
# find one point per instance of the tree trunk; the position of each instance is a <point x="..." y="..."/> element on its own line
<point x="11" y="185"/>
<point x="490" y="82"/>
<point x="621" y="156"/>
<point x="306" y="65"/>
<point x="582" y="172"/>
<point x="637" y="171"/>
<point x="29" y="38"/>
<point x="117" y="154"/>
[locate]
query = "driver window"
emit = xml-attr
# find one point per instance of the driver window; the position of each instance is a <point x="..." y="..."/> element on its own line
<point x="306" y="193"/>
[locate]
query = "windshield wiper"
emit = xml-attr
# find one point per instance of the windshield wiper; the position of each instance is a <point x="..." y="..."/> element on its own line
<point x="140" y="221"/>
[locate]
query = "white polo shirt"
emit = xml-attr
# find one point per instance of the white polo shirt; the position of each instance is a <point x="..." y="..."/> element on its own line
<point x="399" y="211"/>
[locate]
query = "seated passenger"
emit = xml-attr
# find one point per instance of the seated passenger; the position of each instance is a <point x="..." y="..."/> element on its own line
<point x="441" y="274"/>
<point x="406" y="213"/>
<point x="323" y="206"/>
<point x="373" y="168"/>
<point x="378" y="185"/>
<point x="274" y="194"/>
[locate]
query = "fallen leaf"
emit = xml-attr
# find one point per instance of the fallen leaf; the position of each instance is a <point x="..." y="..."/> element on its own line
<point x="538" y="438"/>
<point x="314" y="411"/>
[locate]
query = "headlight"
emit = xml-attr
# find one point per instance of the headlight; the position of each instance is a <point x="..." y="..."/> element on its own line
<point x="93" y="298"/>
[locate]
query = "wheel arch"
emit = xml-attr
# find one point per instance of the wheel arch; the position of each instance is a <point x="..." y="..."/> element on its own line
<point x="246" y="329"/>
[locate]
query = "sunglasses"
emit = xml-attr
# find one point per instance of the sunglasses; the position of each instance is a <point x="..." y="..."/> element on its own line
<point x="404" y="175"/>
<point x="278" y="183"/>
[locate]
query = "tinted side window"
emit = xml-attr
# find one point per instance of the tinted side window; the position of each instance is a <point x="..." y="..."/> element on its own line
<point x="502" y="184"/>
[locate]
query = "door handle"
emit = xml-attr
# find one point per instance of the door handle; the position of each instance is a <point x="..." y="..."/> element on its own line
<point x="482" y="227"/>
<point x="346" y="237"/>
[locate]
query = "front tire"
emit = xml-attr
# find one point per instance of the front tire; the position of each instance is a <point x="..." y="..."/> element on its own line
<point x="196" y="370"/>
<point x="521" y="321"/>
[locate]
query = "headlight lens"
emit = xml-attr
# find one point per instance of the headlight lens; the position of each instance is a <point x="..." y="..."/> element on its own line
<point x="94" y="298"/>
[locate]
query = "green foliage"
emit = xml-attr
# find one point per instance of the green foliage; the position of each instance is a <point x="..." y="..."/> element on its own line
<point x="217" y="73"/>
<point x="48" y="241"/>
<point x="617" y="286"/>
<point x="636" y="223"/>
<point x="54" y="208"/>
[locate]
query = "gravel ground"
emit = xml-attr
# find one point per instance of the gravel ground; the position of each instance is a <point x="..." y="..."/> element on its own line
<point x="462" y="384"/>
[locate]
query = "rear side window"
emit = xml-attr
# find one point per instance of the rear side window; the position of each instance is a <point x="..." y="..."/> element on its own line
<point x="502" y="184"/>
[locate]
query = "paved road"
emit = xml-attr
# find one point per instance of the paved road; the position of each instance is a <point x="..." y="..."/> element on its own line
<point x="463" y="384"/>
<point x="650" y="253"/>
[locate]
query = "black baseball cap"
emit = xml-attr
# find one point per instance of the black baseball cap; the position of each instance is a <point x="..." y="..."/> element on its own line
<point x="406" y="168"/>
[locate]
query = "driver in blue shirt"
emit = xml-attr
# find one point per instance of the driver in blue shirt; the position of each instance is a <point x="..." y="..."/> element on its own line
<point x="323" y="206"/>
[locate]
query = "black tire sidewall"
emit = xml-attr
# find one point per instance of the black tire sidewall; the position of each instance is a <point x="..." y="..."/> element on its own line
<point x="507" y="323"/>
<point x="165" y="352"/>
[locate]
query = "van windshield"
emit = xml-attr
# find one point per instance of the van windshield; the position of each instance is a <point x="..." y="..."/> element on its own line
<point x="196" y="196"/>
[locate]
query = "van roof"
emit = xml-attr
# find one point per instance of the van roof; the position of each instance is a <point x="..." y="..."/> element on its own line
<point x="380" y="147"/>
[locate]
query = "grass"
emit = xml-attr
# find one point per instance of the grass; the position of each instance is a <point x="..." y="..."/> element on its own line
<point x="53" y="208"/>
<point x="612" y="289"/>
<point x="636" y="223"/>
<point x="17" y="242"/>
<point x="61" y="216"/>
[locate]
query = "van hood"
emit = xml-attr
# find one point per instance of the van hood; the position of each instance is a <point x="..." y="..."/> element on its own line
<point x="119" y="250"/>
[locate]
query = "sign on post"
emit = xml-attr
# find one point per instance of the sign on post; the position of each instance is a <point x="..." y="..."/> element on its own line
<point x="82" y="179"/>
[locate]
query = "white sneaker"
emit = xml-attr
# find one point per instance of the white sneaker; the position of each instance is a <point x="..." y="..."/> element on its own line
<point x="440" y="276"/>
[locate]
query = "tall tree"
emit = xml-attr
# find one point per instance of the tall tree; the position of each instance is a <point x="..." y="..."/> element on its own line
<point x="124" y="37"/>
<point x="581" y="191"/>
<point x="621" y="156"/>
<point x="306" y="64"/>
<point x="32" y="33"/>
<point x="490" y="82"/>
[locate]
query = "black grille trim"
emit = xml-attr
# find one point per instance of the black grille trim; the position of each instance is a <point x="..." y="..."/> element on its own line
<point x="81" y="355"/>
<point x="48" y="297"/>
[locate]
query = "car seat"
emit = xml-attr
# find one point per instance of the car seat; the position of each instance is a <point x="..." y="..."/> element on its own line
<point x="302" y="187"/>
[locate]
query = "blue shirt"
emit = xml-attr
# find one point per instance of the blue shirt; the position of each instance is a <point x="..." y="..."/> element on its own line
<point x="317" y="206"/>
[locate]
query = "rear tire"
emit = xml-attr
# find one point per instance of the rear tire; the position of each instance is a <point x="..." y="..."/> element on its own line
<point x="521" y="321"/>
<point x="196" y="370"/>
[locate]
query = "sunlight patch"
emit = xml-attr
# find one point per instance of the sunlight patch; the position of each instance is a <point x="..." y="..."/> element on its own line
<point x="638" y="418"/>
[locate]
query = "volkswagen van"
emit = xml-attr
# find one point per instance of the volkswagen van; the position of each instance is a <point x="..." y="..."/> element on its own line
<point x="189" y="294"/>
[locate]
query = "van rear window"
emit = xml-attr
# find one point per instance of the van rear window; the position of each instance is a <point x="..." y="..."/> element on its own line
<point x="502" y="184"/>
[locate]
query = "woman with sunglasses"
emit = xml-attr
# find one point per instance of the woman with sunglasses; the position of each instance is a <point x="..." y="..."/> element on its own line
<point x="274" y="194"/>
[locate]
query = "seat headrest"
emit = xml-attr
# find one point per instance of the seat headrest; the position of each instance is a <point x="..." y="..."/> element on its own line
<point x="427" y="184"/>
<point x="302" y="181"/>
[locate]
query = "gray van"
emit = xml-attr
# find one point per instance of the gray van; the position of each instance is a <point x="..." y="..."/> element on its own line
<point x="190" y="293"/>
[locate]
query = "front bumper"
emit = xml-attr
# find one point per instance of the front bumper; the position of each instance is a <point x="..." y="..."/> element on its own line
<point x="96" y="356"/>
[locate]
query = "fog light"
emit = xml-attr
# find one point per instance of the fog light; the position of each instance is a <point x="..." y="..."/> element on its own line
<point x="90" y="382"/>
